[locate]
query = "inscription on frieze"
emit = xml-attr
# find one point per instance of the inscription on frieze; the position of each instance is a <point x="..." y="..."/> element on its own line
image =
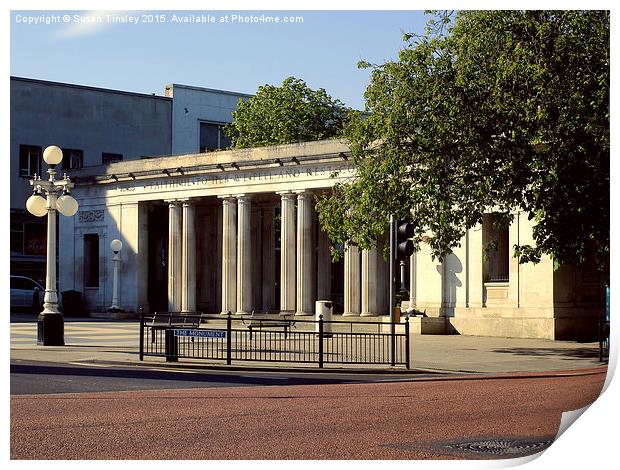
<point x="234" y="177"/>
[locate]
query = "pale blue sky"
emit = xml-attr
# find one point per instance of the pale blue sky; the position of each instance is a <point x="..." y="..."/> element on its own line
<point x="144" y="57"/>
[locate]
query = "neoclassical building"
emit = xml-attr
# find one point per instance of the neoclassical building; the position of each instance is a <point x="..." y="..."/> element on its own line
<point x="237" y="231"/>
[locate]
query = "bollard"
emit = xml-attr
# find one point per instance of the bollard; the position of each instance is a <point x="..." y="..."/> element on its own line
<point x="172" y="354"/>
<point x="141" y="333"/>
<point x="407" y="359"/>
<point x="320" y="341"/>
<point x="228" y="339"/>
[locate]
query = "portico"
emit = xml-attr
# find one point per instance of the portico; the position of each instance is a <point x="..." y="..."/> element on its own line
<point x="230" y="231"/>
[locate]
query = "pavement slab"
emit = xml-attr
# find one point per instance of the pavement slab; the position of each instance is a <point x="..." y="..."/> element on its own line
<point x="117" y="342"/>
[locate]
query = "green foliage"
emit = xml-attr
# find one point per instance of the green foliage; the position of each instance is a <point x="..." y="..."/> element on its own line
<point x="290" y="113"/>
<point x="488" y="109"/>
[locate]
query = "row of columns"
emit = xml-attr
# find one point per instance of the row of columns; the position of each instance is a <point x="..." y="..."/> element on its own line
<point x="296" y="254"/>
<point x="297" y="261"/>
<point x="181" y="256"/>
<point x="362" y="282"/>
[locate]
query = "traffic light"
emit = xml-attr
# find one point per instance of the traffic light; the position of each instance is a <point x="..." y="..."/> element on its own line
<point x="404" y="245"/>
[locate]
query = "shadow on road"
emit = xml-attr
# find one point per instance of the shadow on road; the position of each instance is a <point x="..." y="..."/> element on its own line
<point x="206" y="377"/>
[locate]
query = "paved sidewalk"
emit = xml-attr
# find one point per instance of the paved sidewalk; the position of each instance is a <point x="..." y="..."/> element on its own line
<point x="117" y="342"/>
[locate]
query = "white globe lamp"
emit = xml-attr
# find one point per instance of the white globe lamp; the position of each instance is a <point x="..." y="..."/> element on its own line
<point x="52" y="155"/>
<point x="66" y="205"/>
<point x="37" y="205"/>
<point x="116" y="245"/>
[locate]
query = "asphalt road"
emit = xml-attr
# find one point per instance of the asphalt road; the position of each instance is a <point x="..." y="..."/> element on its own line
<point x="466" y="417"/>
<point x="32" y="377"/>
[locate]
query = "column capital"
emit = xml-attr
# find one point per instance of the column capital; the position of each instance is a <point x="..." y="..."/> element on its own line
<point x="173" y="201"/>
<point x="228" y="199"/>
<point x="286" y="194"/>
<point x="243" y="197"/>
<point x="303" y="193"/>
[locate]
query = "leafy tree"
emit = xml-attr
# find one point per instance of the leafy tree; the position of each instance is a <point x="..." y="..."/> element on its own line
<point x="290" y="113"/>
<point x="502" y="110"/>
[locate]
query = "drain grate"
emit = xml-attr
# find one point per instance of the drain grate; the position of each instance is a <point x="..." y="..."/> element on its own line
<point x="479" y="449"/>
<point x="500" y="446"/>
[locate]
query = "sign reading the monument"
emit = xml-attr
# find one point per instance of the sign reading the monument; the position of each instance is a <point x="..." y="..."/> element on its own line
<point x="201" y="333"/>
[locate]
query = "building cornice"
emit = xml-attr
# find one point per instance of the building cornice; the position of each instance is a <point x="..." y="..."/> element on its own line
<point x="289" y="156"/>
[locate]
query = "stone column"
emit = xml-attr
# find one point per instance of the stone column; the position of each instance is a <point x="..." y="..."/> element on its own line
<point x="174" y="256"/>
<point x="305" y="255"/>
<point x="370" y="305"/>
<point x="324" y="268"/>
<point x="268" y="254"/>
<point x="352" y="281"/>
<point x="188" y="263"/>
<point x="229" y="255"/>
<point x="244" y="255"/>
<point x="287" y="253"/>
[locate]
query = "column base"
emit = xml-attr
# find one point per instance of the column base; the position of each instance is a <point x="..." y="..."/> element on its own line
<point x="50" y="330"/>
<point x="351" y="314"/>
<point x="301" y="314"/>
<point x="243" y="313"/>
<point x="369" y="314"/>
<point x="115" y="310"/>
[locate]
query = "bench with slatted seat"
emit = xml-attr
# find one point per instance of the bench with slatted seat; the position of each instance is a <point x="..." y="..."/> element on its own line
<point x="265" y="320"/>
<point x="168" y="320"/>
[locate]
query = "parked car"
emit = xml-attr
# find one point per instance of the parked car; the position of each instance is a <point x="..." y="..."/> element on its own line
<point x="26" y="294"/>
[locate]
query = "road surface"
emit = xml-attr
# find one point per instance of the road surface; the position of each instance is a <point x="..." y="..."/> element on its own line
<point x="36" y="377"/>
<point x="427" y="418"/>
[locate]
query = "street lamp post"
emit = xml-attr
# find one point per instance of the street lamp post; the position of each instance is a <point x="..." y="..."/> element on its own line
<point x="50" y="323"/>
<point x="116" y="246"/>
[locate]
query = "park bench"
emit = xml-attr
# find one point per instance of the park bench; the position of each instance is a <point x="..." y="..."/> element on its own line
<point x="167" y="320"/>
<point x="264" y="320"/>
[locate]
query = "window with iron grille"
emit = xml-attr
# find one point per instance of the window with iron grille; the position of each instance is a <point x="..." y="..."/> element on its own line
<point x="17" y="237"/>
<point x="72" y="158"/>
<point x="28" y="238"/>
<point x="496" y="262"/>
<point x="29" y="160"/>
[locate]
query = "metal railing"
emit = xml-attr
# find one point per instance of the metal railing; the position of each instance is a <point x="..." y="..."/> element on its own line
<point x="230" y="338"/>
<point x="603" y="339"/>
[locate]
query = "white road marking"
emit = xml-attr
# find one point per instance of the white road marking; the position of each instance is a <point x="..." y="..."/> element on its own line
<point x="88" y="364"/>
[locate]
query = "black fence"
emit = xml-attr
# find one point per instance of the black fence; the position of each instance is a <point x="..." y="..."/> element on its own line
<point x="272" y="339"/>
<point x="603" y="329"/>
<point x="603" y="339"/>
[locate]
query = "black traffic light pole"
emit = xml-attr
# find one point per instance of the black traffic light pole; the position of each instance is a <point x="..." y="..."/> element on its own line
<point x="392" y="288"/>
<point x="400" y="247"/>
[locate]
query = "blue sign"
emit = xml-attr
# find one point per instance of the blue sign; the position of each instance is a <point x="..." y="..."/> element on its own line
<point x="607" y="303"/>
<point x="201" y="333"/>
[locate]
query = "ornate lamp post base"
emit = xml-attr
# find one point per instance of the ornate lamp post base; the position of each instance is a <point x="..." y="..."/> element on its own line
<point x="50" y="329"/>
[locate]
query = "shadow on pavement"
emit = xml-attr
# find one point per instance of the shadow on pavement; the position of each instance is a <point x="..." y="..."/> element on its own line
<point x="29" y="317"/>
<point x="583" y="353"/>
